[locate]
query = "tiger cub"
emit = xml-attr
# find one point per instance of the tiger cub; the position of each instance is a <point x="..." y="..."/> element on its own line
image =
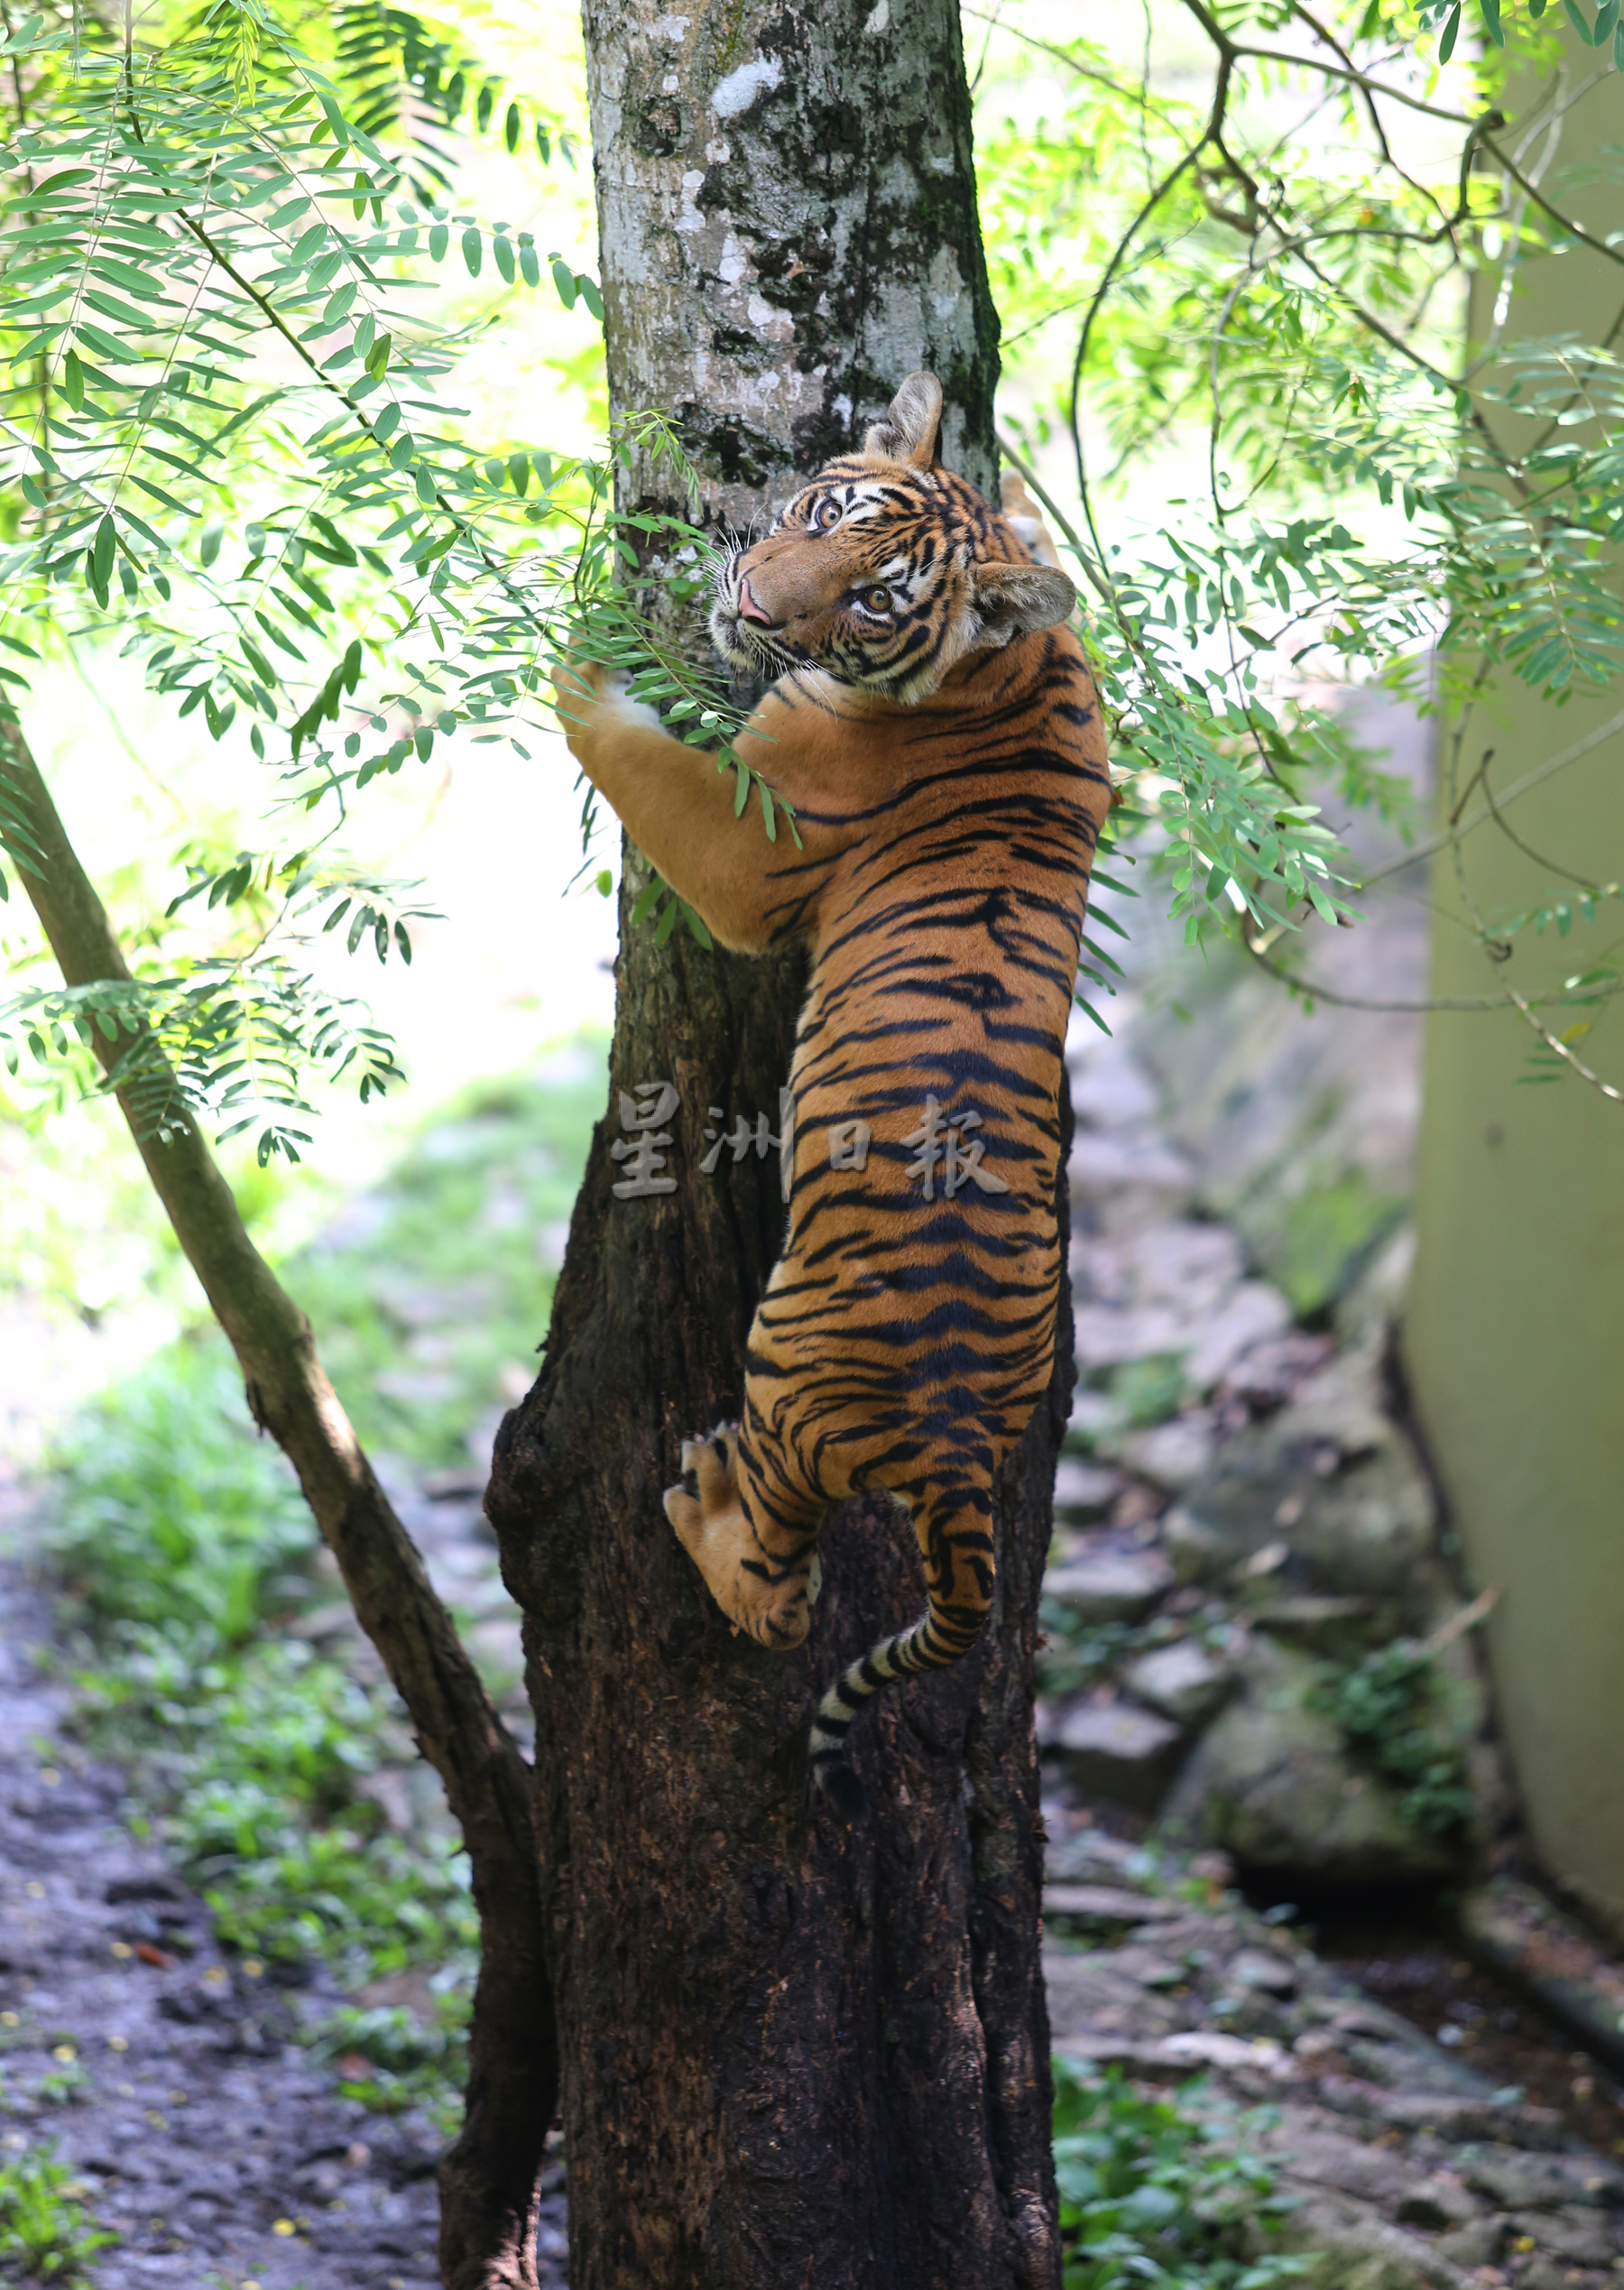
<point x="935" y="728"/>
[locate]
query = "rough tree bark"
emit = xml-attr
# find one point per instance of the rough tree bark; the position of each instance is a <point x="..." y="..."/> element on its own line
<point x="790" y="2051"/>
<point x="488" y="2178"/>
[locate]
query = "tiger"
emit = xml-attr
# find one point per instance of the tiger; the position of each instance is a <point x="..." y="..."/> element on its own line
<point x="933" y="723"/>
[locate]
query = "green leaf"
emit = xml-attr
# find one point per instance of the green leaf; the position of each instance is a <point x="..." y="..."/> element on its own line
<point x="472" y="247"/>
<point x="530" y="265"/>
<point x="647" y="899"/>
<point x="1452" y="29"/>
<point x="503" y="249"/>
<point x="741" y="789"/>
<point x="209" y="539"/>
<point x="101" y="553"/>
<point x="73" y="381"/>
<point x="590" y="295"/>
<point x="769" y="822"/>
<point x="439" y="238"/>
<point x="564" y="278"/>
<point x="511" y="126"/>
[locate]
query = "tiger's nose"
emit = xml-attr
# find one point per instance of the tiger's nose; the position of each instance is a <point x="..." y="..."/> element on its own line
<point x="749" y="609"/>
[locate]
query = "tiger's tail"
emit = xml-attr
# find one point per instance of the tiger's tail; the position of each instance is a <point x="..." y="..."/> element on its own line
<point x="937" y="1639"/>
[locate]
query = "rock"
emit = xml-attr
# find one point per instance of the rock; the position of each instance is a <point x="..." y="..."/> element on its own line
<point x="1272" y="1783"/>
<point x="1107" y="1904"/>
<point x="1111" y="1586"/>
<point x="1197" y="1553"/>
<point x="1274" y="1372"/>
<point x="1128" y="1177"/>
<point x="1584" y="2238"/>
<point x="1205" y="2047"/>
<point x="1109" y="1338"/>
<point x="1322" y="2156"/>
<point x="1435" y="2203"/>
<point x="1084" y="1491"/>
<point x="1460" y="2117"/>
<point x="1172" y="1454"/>
<point x="1088" y="1852"/>
<point x="1110" y="1088"/>
<point x="1470" y="2247"/>
<point x="1256" y="1968"/>
<point x="1184" y="1681"/>
<point x="1539" y="2182"/>
<point x="1527" y="1939"/>
<point x="1334" y="1474"/>
<point x="1349" y="2246"/>
<point x="1254" y="1314"/>
<point x="1120" y="1752"/>
<point x="1337" y="1627"/>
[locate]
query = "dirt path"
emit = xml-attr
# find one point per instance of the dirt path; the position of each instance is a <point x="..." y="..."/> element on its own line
<point x="164" y="2073"/>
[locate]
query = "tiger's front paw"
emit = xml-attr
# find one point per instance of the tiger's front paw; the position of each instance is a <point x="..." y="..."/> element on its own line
<point x="580" y="686"/>
<point x="771" y="1598"/>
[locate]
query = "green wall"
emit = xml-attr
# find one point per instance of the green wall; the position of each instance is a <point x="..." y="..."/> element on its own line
<point x="1515" y="1333"/>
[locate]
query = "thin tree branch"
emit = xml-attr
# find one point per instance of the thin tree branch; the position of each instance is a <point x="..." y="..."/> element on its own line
<point x="488" y="2181"/>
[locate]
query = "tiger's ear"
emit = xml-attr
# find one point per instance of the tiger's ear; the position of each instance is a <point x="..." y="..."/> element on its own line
<point x="912" y="430"/>
<point x="1013" y="599"/>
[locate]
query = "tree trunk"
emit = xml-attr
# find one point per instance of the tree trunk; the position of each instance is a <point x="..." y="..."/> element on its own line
<point x="790" y="2051"/>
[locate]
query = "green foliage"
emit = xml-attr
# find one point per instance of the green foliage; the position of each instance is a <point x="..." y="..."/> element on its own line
<point x="45" y="2233"/>
<point x="1321" y="1236"/>
<point x="252" y="1761"/>
<point x="1149" y="2195"/>
<point x="389" y="2061"/>
<point x="171" y="1512"/>
<point x="1243" y="270"/>
<point x="1389" y="1707"/>
<point x="231" y="443"/>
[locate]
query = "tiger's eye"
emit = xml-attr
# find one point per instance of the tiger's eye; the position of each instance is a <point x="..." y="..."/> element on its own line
<point x="877" y="600"/>
<point x="827" y="516"/>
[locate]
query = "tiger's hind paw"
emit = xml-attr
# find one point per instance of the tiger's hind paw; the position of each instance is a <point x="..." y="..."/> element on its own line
<point x="771" y="1599"/>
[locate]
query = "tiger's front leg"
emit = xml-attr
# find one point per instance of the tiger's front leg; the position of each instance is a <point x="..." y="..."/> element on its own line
<point x="762" y="1570"/>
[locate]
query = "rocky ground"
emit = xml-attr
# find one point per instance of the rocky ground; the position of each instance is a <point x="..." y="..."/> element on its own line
<point x="1406" y="2165"/>
<point x="165" y="2073"/>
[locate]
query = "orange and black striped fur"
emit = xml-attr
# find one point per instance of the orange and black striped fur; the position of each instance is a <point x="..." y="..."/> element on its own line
<point x="935" y="728"/>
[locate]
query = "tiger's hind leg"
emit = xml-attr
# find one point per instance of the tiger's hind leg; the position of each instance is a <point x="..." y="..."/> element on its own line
<point x="762" y="1571"/>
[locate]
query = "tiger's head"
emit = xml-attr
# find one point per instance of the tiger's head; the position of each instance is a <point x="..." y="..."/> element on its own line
<point x="884" y="570"/>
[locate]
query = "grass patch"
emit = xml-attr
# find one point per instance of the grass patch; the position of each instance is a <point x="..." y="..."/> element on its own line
<point x="45" y="2233"/>
<point x="1391" y="1710"/>
<point x="1149" y="2195"/>
<point x="171" y="1513"/>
